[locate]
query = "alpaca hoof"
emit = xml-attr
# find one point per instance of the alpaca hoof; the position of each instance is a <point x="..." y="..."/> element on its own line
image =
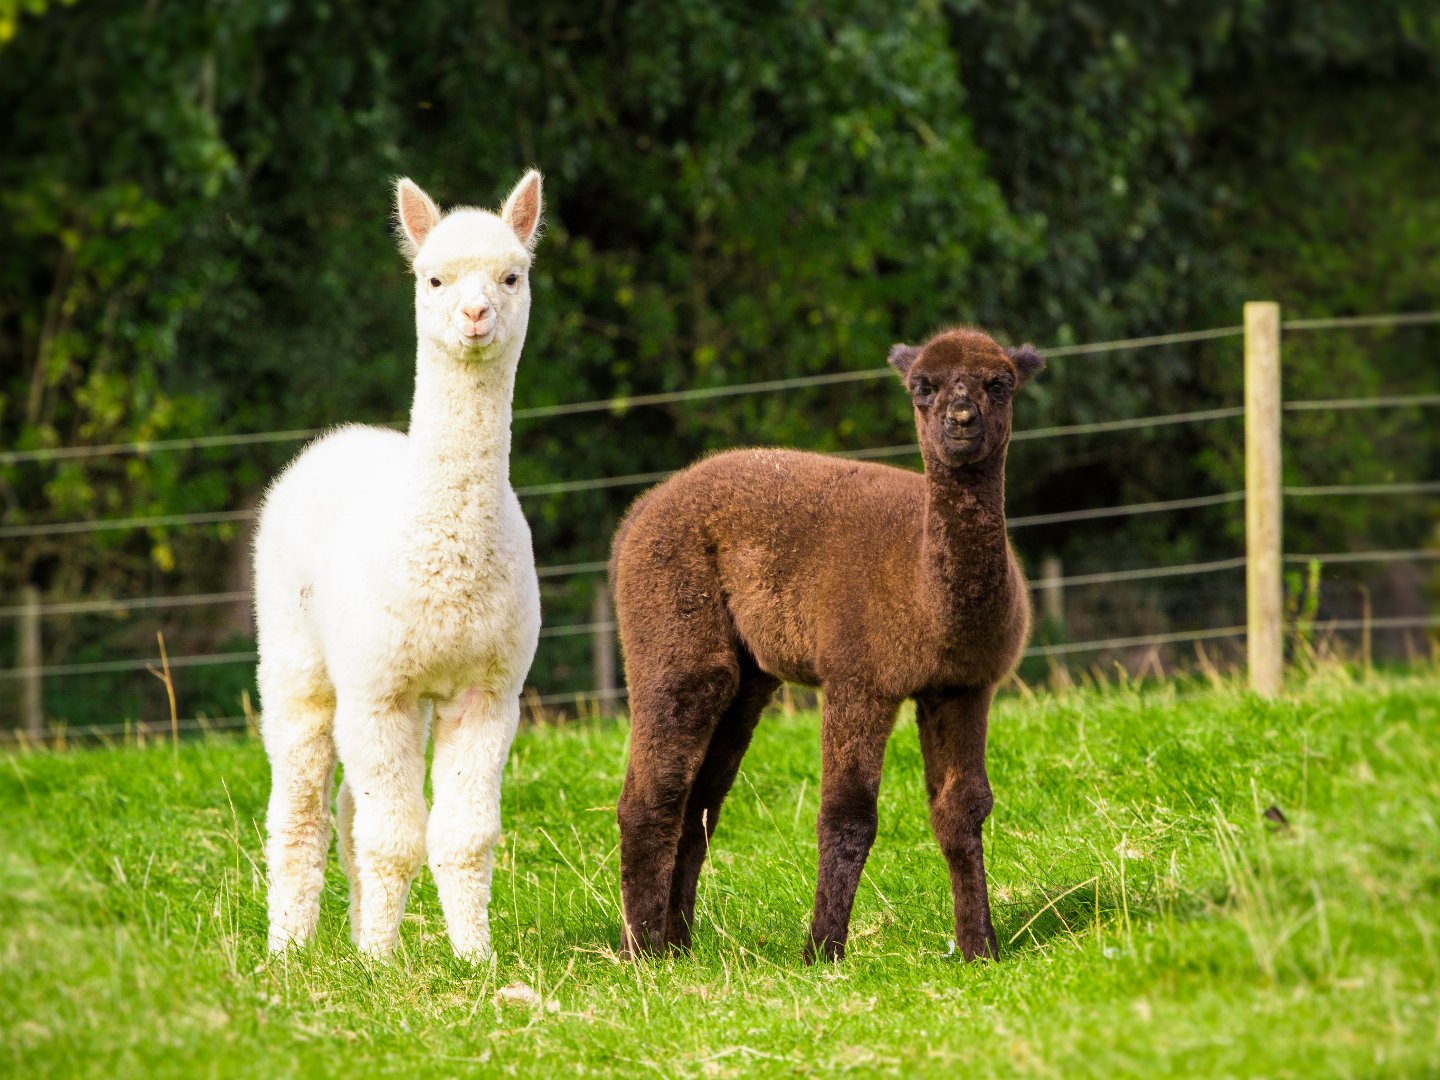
<point x="984" y="951"/>
<point x="374" y="950"/>
<point x="638" y="946"/>
<point x="282" y="939"/>
<point x="677" y="935"/>
<point x="480" y="953"/>
<point x="979" y="944"/>
<point x="824" y="949"/>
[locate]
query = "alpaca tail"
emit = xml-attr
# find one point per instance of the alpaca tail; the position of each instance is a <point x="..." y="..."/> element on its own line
<point x="619" y="541"/>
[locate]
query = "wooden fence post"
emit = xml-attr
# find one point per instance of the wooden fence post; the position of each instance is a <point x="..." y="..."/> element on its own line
<point x="1265" y="640"/>
<point x="1052" y="593"/>
<point x="602" y="644"/>
<point x="32" y="692"/>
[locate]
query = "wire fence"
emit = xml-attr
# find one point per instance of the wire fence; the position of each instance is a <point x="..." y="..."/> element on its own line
<point x="213" y="517"/>
<point x="128" y="730"/>
<point x="122" y="606"/>
<point x="622" y="403"/>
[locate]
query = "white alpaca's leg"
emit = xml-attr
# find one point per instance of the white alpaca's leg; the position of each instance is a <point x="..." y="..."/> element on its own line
<point x="472" y="740"/>
<point x="297" y="736"/>
<point x="345" y="830"/>
<point x="383" y="751"/>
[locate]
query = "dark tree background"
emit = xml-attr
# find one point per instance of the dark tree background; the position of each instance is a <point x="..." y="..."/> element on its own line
<point x="193" y="215"/>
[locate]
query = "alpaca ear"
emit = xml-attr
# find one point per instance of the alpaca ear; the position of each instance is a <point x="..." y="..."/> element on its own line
<point x="1027" y="362"/>
<point x="523" y="207"/>
<point x="415" y="215"/>
<point x="901" y="357"/>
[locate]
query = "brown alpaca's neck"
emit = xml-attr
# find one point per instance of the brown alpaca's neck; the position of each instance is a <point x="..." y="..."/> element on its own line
<point x="965" y="552"/>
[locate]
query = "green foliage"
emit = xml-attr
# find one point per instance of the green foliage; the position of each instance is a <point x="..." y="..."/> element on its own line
<point x="1153" y="921"/>
<point x="11" y="11"/>
<point x="193" y="205"/>
<point x="1369" y="243"/>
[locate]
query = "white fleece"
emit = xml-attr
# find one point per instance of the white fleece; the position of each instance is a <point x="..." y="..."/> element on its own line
<point x="392" y="571"/>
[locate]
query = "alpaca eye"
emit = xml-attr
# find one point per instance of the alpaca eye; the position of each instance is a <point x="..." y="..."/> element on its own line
<point x="434" y="282"/>
<point x="998" y="388"/>
<point x="923" y="391"/>
<point x="512" y="280"/>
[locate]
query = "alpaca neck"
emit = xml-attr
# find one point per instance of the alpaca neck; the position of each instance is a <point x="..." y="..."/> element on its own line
<point x="460" y="429"/>
<point x="965" y="551"/>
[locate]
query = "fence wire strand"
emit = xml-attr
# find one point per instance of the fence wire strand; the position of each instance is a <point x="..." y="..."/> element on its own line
<point x="1098" y="512"/>
<point x="1328" y="557"/>
<point x="1405" y="487"/>
<point x="1110" y="577"/>
<point x="142" y="603"/>
<point x="113" y="666"/>
<point x="1135" y="642"/>
<point x="1355" y="322"/>
<point x="1384" y="401"/>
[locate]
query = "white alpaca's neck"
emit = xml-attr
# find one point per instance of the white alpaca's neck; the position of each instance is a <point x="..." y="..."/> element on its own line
<point x="460" y="428"/>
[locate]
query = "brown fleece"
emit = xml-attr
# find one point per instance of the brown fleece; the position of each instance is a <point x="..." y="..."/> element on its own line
<point x="874" y="583"/>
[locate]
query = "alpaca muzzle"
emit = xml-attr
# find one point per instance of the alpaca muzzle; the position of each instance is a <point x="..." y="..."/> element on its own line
<point x="477" y="330"/>
<point x="962" y="435"/>
<point x="961" y="422"/>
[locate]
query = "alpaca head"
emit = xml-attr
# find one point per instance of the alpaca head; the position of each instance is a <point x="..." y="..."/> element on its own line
<point x="472" y="269"/>
<point x="961" y="382"/>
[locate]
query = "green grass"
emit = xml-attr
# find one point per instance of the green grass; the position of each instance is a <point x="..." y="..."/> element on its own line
<point x="1155" y="921"/>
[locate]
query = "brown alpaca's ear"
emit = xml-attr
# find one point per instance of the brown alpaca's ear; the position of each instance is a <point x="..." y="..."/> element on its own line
<point x="1027" y="362"/>
<point x="901" y="357"/>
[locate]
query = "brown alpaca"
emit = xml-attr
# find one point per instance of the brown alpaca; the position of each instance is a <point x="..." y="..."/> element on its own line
<point x="876" y="584"/>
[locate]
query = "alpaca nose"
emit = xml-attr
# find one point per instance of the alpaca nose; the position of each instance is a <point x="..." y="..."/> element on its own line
<point x="476" y="311"/>
<point x="960" y="412"/>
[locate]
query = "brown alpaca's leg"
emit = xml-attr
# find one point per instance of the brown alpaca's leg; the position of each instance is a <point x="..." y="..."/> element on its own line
<point x="852" y="752"/>
<point x="670" y="729"/>
<point x="712" y="784"/>
<point x="952" y="739"/>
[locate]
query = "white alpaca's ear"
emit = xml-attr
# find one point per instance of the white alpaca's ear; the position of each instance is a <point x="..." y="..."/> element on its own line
<point x="415" y="215"/>
<point x="523" y="207"/>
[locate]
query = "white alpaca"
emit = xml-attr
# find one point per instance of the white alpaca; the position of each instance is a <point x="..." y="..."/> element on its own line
<point x="392" y="571"/>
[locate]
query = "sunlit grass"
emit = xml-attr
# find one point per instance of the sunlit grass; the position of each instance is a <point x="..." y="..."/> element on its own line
<point x="1152" y="918"/>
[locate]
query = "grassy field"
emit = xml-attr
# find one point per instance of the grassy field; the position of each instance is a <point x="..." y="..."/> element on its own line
<point x="1156" y="920"/>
